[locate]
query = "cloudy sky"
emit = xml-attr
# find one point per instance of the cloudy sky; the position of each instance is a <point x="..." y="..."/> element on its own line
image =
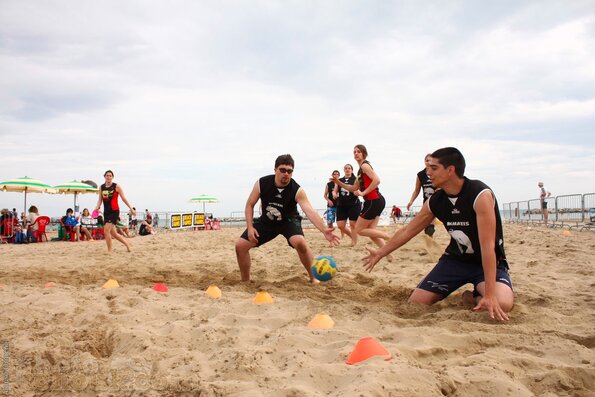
<point x="182" y="98"/>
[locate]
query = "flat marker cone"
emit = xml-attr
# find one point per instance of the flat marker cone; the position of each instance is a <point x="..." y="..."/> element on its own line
<point x="365" y="348"/>
<point x="111" y="283"/>
<point x="321" y="321"/>
<point x="160" y="287"/>
<point x="213" y="292"/>
<point x="566" y="233"/>
<point x="49" y="284"/>
<point x="262" y="298"/>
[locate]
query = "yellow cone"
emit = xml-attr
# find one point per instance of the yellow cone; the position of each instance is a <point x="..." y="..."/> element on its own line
<point x="213" y="292"/>
<point x="262" y="298"/>
<point x="321" y="321"/>
<point x="566" y="233"/>
<point x="111" y="283"/>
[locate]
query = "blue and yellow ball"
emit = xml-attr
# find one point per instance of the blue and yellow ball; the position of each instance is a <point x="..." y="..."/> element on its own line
<point x="324" y="268"/>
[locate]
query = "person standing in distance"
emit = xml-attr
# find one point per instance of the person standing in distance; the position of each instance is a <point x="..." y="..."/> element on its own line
<point x="469" y="212"/>
<point x="331" y="200"/>
<point x="374" y="202"/>
<point x="348" y="204"/>
<point x="543" y="194"/>
<point x="423" y="182"/>
<point x="279" y="195"/>
<point x="108" y="194"/>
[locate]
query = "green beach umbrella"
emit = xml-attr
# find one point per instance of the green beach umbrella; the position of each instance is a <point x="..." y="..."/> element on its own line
<point x="27" y="185"/>
<point x="76" y="188"/>
<point x="204" y="199"/>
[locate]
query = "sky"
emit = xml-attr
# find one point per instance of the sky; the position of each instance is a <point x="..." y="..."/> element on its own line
<point x="183" y="98"/>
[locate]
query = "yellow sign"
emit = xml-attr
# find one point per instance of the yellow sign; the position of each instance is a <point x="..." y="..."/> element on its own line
<point x="186" y="220"/>
<point x="175" y="221"/>
<point x="199" y="219"/>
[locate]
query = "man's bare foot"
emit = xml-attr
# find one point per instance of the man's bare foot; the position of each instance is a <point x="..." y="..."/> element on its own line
<point x="313" y="281"/>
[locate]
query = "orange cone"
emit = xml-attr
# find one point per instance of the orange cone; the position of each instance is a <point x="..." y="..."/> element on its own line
<point x="262" y="298"/>
<point x="321" y="321"/>
<point x="365" y="348"/>
<point x="160" y="287"/>
<point x="213" y="292"/>
<point x="111" y="283"/>
<point x="49" y="284"/>
<point x="566" y="233"/>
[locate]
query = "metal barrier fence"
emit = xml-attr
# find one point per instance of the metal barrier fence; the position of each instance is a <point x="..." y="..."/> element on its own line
<point x="571" y="208"/>
<point x="237" y="219"/>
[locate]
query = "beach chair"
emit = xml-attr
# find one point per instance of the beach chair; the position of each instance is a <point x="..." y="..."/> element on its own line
<point x="42" y="222"/>
<point x="8" y="230"/>
<point x="66" y="231"/>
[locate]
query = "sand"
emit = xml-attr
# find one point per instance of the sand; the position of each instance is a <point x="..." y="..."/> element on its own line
<point x="76" y="338"/>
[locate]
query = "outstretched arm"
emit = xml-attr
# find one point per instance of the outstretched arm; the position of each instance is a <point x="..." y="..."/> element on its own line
<point x="400" y="238"/>
<point x="302" y="200"/>
<point x="351" y="188"/>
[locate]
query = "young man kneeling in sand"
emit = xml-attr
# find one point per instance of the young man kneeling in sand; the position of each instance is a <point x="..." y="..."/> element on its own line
<point x="279" y="195"/>
<point x="469" y="211"/>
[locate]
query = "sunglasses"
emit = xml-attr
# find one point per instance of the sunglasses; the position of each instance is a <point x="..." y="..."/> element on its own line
<point x="284" y="170"/>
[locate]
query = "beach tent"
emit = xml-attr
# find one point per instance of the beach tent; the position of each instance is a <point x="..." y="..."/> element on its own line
<point x="26" y="185"/>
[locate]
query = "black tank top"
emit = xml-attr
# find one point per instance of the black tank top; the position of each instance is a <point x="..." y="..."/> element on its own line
<point x="426" y="184"/>
<point x="109" y="195"/>
<point x="278" y="204"/>
<point x="329" y="190"/>
<point x="460" y="220"/>
<point x="347" y="198"/>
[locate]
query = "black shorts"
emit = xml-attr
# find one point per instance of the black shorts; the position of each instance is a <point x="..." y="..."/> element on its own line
<point x="450" y="274"/>
<point x="350" y="212"/>
<point x="373" y="208"/>
<point x="267" y="231"/>
<point x="111" y="216"/>
<point x="544" y="205"/>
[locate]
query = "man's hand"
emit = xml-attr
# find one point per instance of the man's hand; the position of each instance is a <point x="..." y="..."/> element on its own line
<point x="493" y="307"/>
<point x="332" y="237"/>
<point x="371" y="260"/>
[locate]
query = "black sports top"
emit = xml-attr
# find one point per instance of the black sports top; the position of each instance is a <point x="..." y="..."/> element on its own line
<point x="426" y="184"/>
<point x="460" y="220"/>
<point x="347" y="198"/>
<point x="278" y="204"/>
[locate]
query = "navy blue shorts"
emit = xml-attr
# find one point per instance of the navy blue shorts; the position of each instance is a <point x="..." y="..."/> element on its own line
<point x="450" y="274"/>
<point x="350" y="212"/>
<point x="267" y="232"/>
<point x="373" y="208"/>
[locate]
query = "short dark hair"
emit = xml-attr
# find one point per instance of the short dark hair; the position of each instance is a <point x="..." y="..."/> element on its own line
<point x="33" y="209"/>
<point x="69" y="210"/>
<point x="110" y="171"/>
<point x="448" y="156"/>
<point x="336" y="172"/>
<point x="362" y="149"/>
<point x="284" y="159"/>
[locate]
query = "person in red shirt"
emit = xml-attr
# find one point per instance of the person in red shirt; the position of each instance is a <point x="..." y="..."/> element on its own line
<point x="108" y="195"/>
<point x="366" y="186"/>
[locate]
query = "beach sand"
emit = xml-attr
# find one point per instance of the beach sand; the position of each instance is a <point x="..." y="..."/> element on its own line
<point x="76" y="338"/>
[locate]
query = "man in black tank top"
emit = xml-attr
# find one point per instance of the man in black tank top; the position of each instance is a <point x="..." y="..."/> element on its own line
<point x="279" y="195"/>
<point x="468" y="210"/>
